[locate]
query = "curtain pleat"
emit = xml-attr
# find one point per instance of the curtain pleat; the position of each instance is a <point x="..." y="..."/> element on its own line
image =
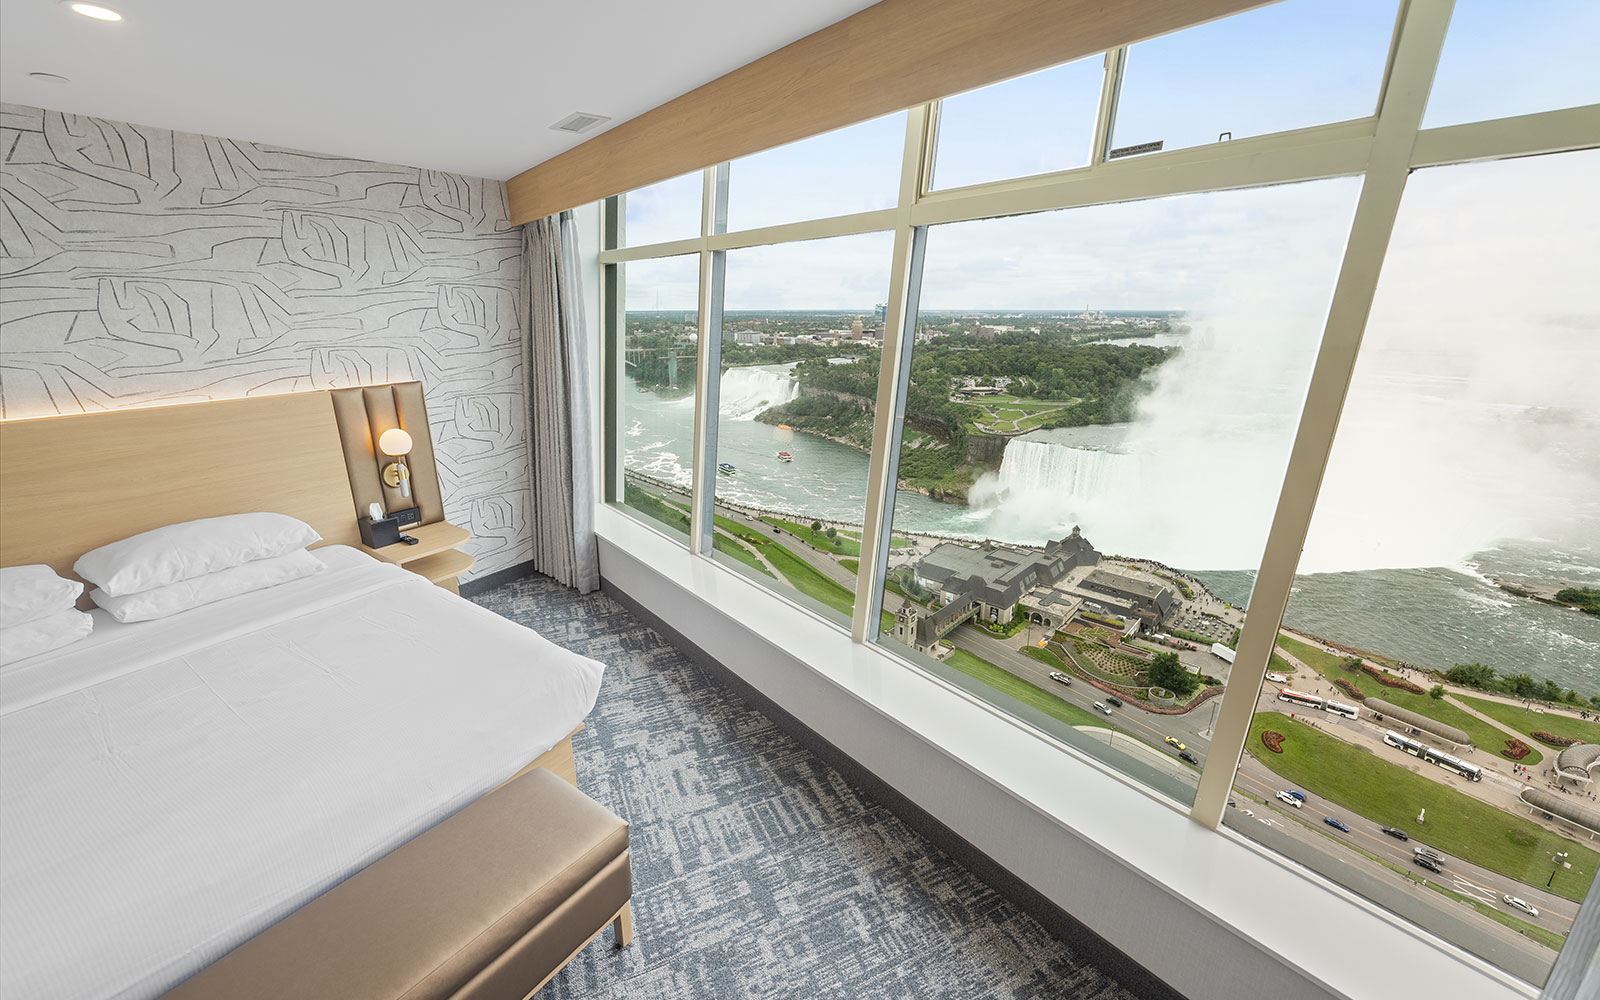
<point x="560" y="440"/>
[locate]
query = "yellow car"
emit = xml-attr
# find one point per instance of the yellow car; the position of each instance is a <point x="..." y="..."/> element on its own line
<point x="1175" y="742"/>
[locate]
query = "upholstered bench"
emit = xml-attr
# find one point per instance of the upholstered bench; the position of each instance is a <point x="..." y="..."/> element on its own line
<point x="488" y="905"/>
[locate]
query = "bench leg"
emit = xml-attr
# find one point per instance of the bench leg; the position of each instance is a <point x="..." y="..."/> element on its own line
<point x="622" y="926"/>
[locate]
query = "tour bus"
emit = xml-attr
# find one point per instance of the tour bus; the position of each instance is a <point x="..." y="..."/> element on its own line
<point x="1471" y="772"/>
<point x="1308" y="700"/>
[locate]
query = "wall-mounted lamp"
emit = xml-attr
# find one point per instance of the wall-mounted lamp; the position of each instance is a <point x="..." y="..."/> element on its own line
<point x="396" y="443"/>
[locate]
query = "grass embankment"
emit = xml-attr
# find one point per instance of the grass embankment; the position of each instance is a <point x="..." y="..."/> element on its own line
<point x="722" y="543"/>
<point x="1525" y="720"/>
<point x="838" y="545"/>
<point x="1028" y="694"/>
<point x="1484" y="736"/>
<point x="655" y="508"/>
<point x="810" y="581"/>
<point x="1383" y="792"/>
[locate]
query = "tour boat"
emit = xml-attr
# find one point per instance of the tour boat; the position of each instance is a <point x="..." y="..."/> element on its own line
<point x="784" y="456"/>
<point x="726" y="468"/>
<point x="785" y="427"/>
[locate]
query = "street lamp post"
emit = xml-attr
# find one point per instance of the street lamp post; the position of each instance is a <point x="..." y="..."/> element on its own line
<point x="1555" y="863"/>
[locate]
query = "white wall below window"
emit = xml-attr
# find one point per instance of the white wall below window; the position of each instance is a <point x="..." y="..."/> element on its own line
<point x="1210" y="913"/>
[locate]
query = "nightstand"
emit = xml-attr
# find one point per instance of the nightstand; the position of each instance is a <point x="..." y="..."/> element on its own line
<point x="435" y="555"/>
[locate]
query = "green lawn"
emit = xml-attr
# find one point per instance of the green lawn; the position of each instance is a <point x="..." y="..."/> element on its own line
<point x="740" y="531"/>
<point x="853" y="565"/>
<point x="1385" y="793"/>
<point x="1526" y="721"/>
<point x="722" y="543"/>
<point x="655" y="508"/>
<point x="839" y="545"/>
<point x="1028" y="694"/>
<point x="1485" y="737"/>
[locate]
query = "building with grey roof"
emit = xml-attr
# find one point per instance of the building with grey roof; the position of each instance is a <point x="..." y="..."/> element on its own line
<point x="997" y="576"/>
<point x="1130" y="596"/>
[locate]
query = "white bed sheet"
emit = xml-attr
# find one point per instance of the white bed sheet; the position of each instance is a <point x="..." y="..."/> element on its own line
<point x="170" y="788"/>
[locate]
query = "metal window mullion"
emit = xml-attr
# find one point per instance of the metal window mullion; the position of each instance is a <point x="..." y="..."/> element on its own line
<point x="893" y="371"/>
<point x="707" y="377"/>
<point x="1417" y="55"/>
<point x="1105" y="121"/>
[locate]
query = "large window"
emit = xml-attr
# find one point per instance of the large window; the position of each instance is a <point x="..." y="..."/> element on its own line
<point x="656" y="395"/>
<point x="1460" y="498"/>
<point x="801" y="345"/>
<point x="1139" y="410"/>
<point x="1502" y="59"/>
<point x="664" y="212"/>
<point x="1282" y="67"/>
<point x="1034" y="124"/>
<point x="1101" y="403"/>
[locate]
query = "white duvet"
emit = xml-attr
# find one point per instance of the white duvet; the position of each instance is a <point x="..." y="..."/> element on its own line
<point x="169" y="788"/>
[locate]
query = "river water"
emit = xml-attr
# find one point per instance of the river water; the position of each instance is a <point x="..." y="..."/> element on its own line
<point x="1135" y="492"/>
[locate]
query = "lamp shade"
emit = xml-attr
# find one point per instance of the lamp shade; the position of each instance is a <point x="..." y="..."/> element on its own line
<point x="394" y="441"/>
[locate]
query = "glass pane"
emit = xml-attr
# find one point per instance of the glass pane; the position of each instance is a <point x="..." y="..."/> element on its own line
<point x="801" y="343"/>
<point x="1031" y="125"/>
<point x="1102" y="402"/>
<point x="1435" y="614"/>
<point x="1505" y="59"/>
<point x="855" y="169"/>
<point x="663" y="212"/>
<point x="1282" y="67"/>
<point x="655" y="416"/>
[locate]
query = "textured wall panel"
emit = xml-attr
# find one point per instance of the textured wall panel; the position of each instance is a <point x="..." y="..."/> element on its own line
<point x="141" y="266"/>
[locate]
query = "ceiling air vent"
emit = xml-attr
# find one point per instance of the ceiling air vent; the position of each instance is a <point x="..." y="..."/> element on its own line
<point x="579" y="122"/>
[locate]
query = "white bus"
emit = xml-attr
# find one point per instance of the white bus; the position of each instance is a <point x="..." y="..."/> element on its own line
<point x="1300" y="698"/>
<point x="1471" y="772"/>
<point x="1348" y="711"/>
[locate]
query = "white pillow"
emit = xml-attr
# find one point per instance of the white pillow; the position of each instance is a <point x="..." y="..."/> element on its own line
<point x="159" y="602"/>
<point x="28" y="593"/>
<point x="18" y="642"/>
<point x="182" y="551"/>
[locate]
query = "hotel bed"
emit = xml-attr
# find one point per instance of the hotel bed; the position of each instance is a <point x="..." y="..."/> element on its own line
<point x="170" y="788"/>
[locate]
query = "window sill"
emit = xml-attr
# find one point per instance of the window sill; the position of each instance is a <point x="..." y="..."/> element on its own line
<point x="1219" y="874"/>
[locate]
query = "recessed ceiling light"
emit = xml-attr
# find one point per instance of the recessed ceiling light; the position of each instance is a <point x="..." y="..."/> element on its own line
<point x="95" y="11"/>
<point x="48" y="77"/>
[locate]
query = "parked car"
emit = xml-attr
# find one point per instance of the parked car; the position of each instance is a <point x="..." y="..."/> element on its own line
<point x="1427" y="861"/>
<point x="1059" y="677"/>
<point x="1102" y="708"/>
<point x="1191" y="758"/>
<point x="1112" y="699"/>
<point x="1176" y="742"/>
<point x="1396" y="833"/>
<point x="1290" y="799"/>
<point x="1337" y="824"/>
<point x="1521" y="904"/>
<point x="1297" y="793"/>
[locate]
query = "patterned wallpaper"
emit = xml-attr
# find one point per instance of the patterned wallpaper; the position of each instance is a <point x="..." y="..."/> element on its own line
<point x="141" y="266"/>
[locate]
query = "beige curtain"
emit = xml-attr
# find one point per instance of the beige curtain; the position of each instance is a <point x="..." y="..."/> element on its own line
<point x="560" y="439"/>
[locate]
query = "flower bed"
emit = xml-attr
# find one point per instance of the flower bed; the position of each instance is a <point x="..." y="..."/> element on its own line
<point x="1390" y="680"/>
<point x="1273" y="740"/>
<point x="1516" y="749"/>
<point x="1348" y="688"/>
<point x="1551" y="739"/>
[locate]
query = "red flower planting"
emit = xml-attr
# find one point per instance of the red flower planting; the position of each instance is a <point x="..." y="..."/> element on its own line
<point x="1273" y="740"/>
<point x="1553" y="740"/>
<point x="1348" y="688"/>
<point x="1390" y="680"/>
<point x="1516" y="750"/>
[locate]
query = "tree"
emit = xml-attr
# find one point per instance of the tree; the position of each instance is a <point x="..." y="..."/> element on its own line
<point x="832" y="533"/>
<point x="1167" y="671"/>
<point x="1521" y="685"/>
<point x="1471" y="675"/>
<point x="1436" y="692"/>
<point x="1352" y="663"/>
<point x="816" y="525"/>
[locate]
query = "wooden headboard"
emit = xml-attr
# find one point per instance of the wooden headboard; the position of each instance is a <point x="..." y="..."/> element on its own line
<point x="69" y="484"/>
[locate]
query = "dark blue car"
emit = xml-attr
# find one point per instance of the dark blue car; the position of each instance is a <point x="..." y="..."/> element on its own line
<point x="1336" y="824"/>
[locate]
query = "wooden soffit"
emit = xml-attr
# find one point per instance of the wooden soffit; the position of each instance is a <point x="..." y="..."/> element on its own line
<point x="890" y="56"/>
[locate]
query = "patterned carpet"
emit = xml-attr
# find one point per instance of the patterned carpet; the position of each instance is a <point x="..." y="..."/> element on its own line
<point x="758" y="870"/>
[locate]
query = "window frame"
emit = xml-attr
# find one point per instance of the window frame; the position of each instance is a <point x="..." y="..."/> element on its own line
<point x="1382" y="149"/>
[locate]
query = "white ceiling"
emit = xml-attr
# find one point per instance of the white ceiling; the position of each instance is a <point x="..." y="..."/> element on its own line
<point x="469" y="86"/>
